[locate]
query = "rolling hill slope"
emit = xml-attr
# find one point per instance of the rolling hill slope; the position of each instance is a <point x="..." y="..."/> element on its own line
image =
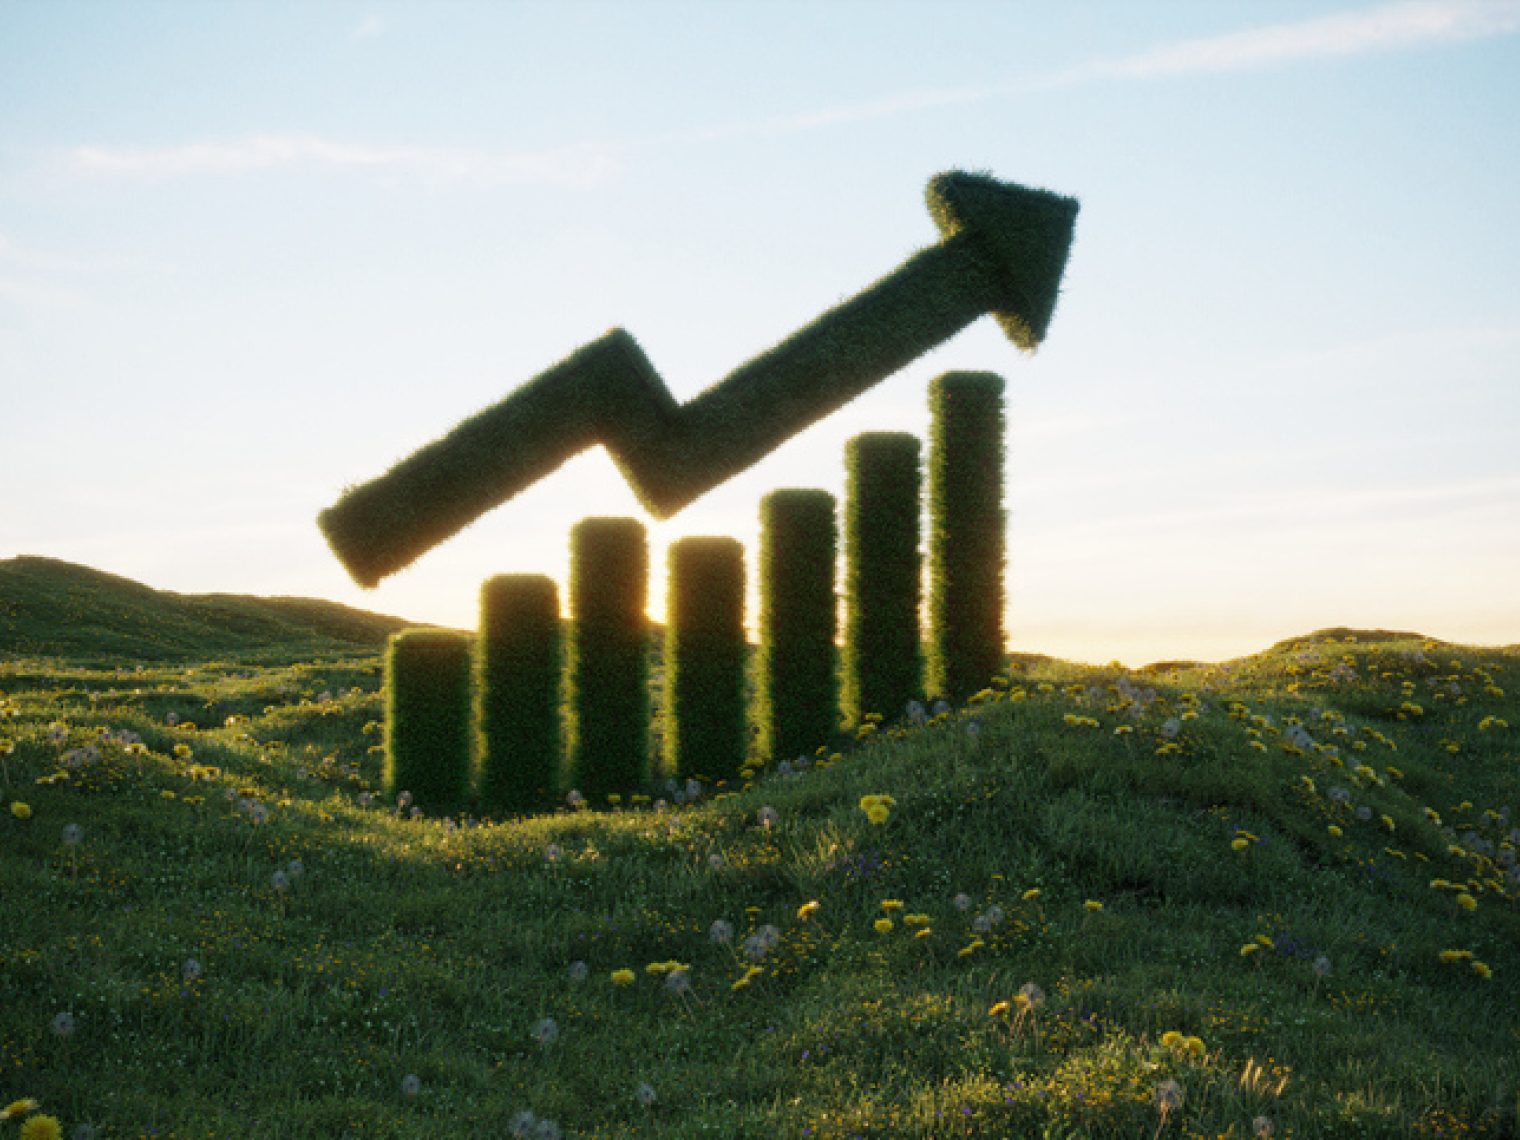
<point x="51" y="608"/>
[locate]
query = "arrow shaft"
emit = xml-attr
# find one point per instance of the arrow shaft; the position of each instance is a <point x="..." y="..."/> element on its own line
<point x="1002" y="250"/>
<point x="815" y="371"/>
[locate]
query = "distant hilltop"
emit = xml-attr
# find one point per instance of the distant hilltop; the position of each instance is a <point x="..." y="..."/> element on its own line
<point x="52" y="608"/>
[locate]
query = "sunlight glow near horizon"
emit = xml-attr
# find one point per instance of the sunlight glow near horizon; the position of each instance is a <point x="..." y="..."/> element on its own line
<point x="254" y="253"/>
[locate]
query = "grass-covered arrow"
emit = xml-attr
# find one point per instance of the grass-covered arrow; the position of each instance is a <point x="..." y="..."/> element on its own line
<point x="1002" y="251"/>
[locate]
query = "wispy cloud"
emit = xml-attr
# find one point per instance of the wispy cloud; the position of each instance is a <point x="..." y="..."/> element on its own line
<point x="572" y="166"/>
<point x="371" y="27"/>
<point x="1403" y="26"/>
<point x="1388" y="27"/>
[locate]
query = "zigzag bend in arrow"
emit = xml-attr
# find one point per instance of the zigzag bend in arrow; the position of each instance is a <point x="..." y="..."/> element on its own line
<point x="1003" y="249"/>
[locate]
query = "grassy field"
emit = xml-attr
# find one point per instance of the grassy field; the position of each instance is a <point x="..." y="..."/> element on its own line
<point x="1271" y="898"/>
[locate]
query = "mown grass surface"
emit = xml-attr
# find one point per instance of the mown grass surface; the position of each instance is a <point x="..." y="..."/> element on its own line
<point x="250" y="942"/>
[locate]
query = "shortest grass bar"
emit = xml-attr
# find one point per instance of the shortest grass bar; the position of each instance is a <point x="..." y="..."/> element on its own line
<point x="609" y="657"/>
<point x="517" y="692"/>
<point x="428" y="714"/>
<point x="966" y="532"/>
<point x="704" y="730"/>
<point x="796" y="689"/>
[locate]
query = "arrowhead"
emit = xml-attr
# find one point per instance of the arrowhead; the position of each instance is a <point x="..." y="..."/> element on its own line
<point x="1025" y="235"/>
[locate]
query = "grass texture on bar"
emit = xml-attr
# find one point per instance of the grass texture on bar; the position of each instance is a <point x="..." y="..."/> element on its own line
<point x="428" y="717"/>
<point x="705" y="732"/>
<point x="883" y="575"/>
<point x="608" y="727"/>
<point x="1003" y="250"/>
<point x="518" y="688"/>
<point x="796" y="690"/>
<point x="966" y="532"/>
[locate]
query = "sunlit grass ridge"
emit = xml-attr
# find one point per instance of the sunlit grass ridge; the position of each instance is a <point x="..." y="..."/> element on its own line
<point x="1048" y="930"/>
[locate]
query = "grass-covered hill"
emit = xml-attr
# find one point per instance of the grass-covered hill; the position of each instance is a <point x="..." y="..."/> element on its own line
<point x="1277" y="897"/>
<point x="51" y="608"/>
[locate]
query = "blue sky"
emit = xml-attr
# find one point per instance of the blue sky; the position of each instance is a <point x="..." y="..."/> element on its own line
<point x="252" y="253"/>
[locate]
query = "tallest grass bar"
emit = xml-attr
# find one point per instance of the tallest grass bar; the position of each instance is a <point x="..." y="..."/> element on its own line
<point x="1002" y="251"/>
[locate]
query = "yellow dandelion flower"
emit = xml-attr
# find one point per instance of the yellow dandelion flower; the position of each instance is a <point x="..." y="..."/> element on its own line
<point x="878" y="813"/>
<point x="998" y="1009"/>
<point x="1451" y="957"/>
<point x="915" y="920"/>
<point x="1093" y="905"/>
<point x="41" y="1128"/>
<point x="1239" y="844"/>
<point x="1171" y="1039"/>
<point x="1249" y="948"/>
<point x="1483" y="970"/>
<point x="20" y="810"/>
<point x="883" y="925"/>
<point x="807" y="910"/>
<point x="623" y="977"/>
<point x="740" y="984"/>
<point x="1466" y="901"/>
<point x="1335" y="832"/>
<point x="924" y="933"/>
<point x="19" y="1108"/>
<point x="891" y="904"/>
<point x="1031" y="894"/>
<point x="1194" y="1045"/>
<point x="655" y="969"/>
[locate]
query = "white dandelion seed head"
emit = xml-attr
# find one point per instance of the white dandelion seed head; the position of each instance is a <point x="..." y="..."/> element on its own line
<point x="552" y="853"/>
<point x="72" y="834"/>
<point x="403" y="800"/>
<point x="546" y="1032"/>
<point x="295" y="868"/>
<point x="575" y="799"/>
<point x="678" y="982"/>
<point x="522" y="1124"/>
<point x="546" y="1130"/>
<point x="1263" y="1128"/>
<point x="962" y="901"/>
<point x="995" y="914"/>
<point x="1031" y="995"/>
<point x="721" y="932"/>
<point x="63" y="1024"/>
<point x="578" y="971"/>
<point x="1322" y="966"/>
<point x="280" y="881"/>
<point x="693" y="789"/>
<point x="191" y="970"/>
<point x="411" y="1085"/>
<point x="981" y="924"/>
<point x="768" y="817"/>
<point x="940" y="708"/>
<point x="1168" y="1096"/>
<point x="645" y="1093"/>
<point x="715" y="860"/>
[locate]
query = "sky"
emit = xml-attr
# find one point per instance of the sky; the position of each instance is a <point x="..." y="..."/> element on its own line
<point x="254" y="253"/>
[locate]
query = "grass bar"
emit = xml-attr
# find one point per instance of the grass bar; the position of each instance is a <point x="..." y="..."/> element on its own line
<point x="428" y="716"/>
<point x="966" y="532"/>
<point x="705" y="730"/>
<point x="518" y="683"/>
<point x="796" y="692"/>
<point x="608" y="729"/>
<point x="882" y="656"/>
